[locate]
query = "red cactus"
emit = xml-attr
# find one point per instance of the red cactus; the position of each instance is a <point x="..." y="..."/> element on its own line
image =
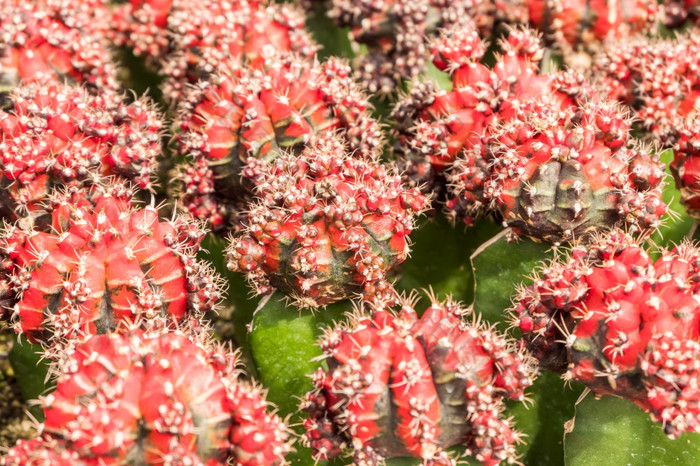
<point x="326" y="226"/>
<point x="54" y="40"/>
<point x="190" y="39"/>
<point x="396" y="32"/>
<point x="434" y="126"/>
<point x="154" y="398"/>
<point x="57" y="135"/>
<point x="244" y="115"/>
<point x="686" y="163"/>
<point x="397" y="385"/>
<point x="103" y="262"/>
<point x="579" y="23"/>
<point x="621" y="324"/>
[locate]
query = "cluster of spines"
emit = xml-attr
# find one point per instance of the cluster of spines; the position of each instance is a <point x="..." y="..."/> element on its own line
<point x="232" y="125"/>
<point x="396" y="33"/>
<point x="326" y="226"/>
<point x="611" y="317"/>
<point x="154" y="397"/>
<point x="399" y="385"/>
<point x="100" y="263"/>
<point x="189" y="40"/>
<point x="523" y="145"/>
<point x="55" y="40"/>
<point x="60" y="135"/>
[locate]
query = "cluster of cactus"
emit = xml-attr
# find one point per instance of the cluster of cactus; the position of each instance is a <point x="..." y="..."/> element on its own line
<point x="525" y="145"/>
<point x="55" y="40"/>
<point x="188" y="40"/>
<point x="57" y="135"/>
<point x="609" y="316"/>
<point x="284" y="153"/>
<point x="245" y="117"/>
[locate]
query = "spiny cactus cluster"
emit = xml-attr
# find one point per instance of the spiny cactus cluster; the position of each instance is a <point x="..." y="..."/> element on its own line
<point x="58" y="135"/>
<point x="326" y="226"/>
<point x="395" y="31"/>
<point x="658" y="80"/>
<point x="242" y="118"/>
<point x="399" y="385"/>
<point x="525" y="145"/>
<point x="621" y="323"/>
<point x="101" y="263"/>
<point x="54" y="40"/>
<point x="188" y="40"/>
<point x="156" y="397"/>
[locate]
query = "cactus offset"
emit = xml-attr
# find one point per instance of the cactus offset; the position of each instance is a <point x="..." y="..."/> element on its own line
<point x="243" y="117"/>
<point x="326" y="226"/>
<point x="58" y="135"/>
<point x="54" y="40"/>
<point x="103" y="262"/>
<point x="621" y="323"/>
<point x="397" y="385"/>
<point x="154" y="397"/>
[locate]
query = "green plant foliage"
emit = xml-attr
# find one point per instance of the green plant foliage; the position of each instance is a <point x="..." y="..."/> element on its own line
<point x="499" y="266"/>
<point x="677" y="225"/>
<point x="31" y="371"/>
<point x="612" y="431"/>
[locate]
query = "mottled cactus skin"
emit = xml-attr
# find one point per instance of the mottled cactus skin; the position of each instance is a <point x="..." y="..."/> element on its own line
<point x="154" y="397"/>
<point x="436" y="127"/>
<point x="58" y="135"/>
<point x="102" y="262"/>
<point x="188" y="40"/>
<point x="611" y="317"/>
<point x="555" y="179"/>
<point x="396" y="33"/>
<point x="399" y="385"/>
<point x="244" y="117"/>
<point x="326" y="227"/>
<point x="54" y="40"/>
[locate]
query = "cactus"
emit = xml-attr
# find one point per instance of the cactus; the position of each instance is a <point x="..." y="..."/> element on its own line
<point x="611" y="317"/>
<point x="154" y="397"/>
<point x="326" y="226"/>
<point x="102" y="262"/>
<point x="399" y="385"/>
<point x="58" y="135"/>
<point x="244" y="117"/>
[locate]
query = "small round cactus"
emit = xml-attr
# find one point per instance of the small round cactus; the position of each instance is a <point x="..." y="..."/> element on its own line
<point x="189" y="40"/>
<point x="554" y="178"/>
<point x="399" y="385"/>
<point x="609" y="316"/>
<point x="154" y="397"/>
<point x="54" y="40"/>
<point x="102" y="262"/>
<point x="243" y="117"/>
<point x="326" y="227"/>
<point x="59" y="135"/>
<point x="396" y="33"/>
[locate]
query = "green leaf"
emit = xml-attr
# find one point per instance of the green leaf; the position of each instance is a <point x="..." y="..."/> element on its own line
<point x="440" y="258"/>
<point x="677" y="225"/>
<point x="335" y="41"/>
<point x="443" y="79"/>
<point x="284" y="350"/>
<point x="615" y="431"/>
<point x="498" y="267"/>
<point x="543" y="420"/>
<point x="31" y="371"/>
